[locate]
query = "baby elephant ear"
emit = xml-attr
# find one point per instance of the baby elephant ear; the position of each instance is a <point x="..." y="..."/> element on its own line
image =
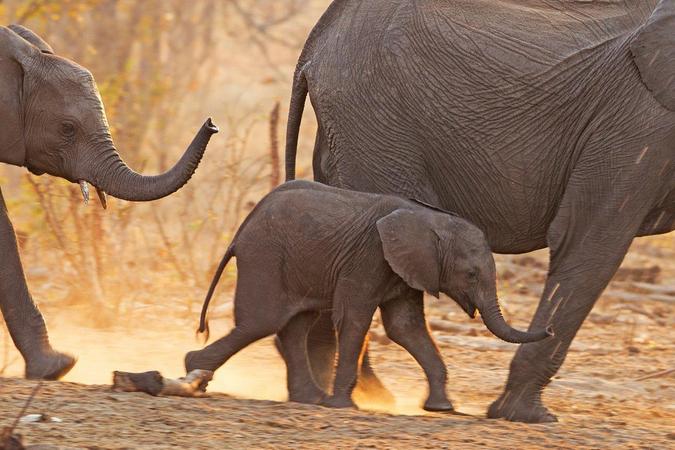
<point x="654" y="53"/>
<point x="411" y="247"/>
<point x="32" y="38"/>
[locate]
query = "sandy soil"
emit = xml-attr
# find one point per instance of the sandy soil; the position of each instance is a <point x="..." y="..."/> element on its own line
<point x="599" y="395"/>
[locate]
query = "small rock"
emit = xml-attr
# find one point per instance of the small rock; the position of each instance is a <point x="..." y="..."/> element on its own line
<point x="34" y="418"/>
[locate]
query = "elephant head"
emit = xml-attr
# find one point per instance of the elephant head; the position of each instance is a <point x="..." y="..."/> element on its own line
<point x="53" y="121"/>
<point x="437" y="252"/>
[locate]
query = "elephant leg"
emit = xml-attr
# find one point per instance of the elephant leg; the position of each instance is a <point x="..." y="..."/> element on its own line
<point x="216" y="354"/>
<point x="321" y="350"/>
<point x="321" y="346"/>
<point x="404" y="322"/>
<point x="320" y="154"/>
<point x="368" y="386"/>
<point x="597" y="219"/>
<point x="22" y="316"/>
<point x="356" y="316"/>
<point x="260" y="310"/>
<point x="291" y="342"/>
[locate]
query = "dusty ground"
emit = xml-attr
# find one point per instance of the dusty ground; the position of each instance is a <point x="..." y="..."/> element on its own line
<point x="598" y="395"/>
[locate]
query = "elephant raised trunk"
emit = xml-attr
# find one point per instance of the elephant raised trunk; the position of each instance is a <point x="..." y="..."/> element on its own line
<point x="110" y="174"/>
<point x="494" y="321"/>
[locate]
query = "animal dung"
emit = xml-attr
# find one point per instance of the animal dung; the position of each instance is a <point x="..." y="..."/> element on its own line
<point x="153" y="383"/>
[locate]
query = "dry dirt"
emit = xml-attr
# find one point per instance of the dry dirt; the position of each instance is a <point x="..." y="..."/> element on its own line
<point x="599" y="395"/>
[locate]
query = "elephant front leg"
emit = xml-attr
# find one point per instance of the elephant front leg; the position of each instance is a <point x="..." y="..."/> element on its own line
<point x="356" y="315"/>
<point x="588" y="239"/>
<point x="291" y="342"/>
<point x="22" y="316"/>
<point x="321" y="346"/>
<point x="404" y="322"/>
<point x="321" y="350"/>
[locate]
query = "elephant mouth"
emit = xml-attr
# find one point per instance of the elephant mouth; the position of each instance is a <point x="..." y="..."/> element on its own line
<point x="102" y="197"/>
<point x="467" y="306"/>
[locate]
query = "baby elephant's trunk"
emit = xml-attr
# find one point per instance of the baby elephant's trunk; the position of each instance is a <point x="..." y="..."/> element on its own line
<point x="494" y="321"/>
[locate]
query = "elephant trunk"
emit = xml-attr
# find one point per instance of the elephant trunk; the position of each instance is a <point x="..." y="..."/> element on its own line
<point x="110" y="174"/>
<point x="494" y="321"/>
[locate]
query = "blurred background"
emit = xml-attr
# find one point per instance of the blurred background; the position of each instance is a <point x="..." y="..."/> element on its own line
<point x="162" y="67"/>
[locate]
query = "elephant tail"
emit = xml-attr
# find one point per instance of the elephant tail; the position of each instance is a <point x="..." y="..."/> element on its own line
<point x="203" y="322"/>
<point x="297" y="106"/>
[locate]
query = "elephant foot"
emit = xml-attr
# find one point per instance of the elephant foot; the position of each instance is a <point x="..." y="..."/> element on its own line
<point x="338" y="402"/>
<point x="369" y="389"/>
<point x="49" y="366"/>
<point x="438" y="405"/>
<point x="309" y="396"/>
<point x="194" y="360"/>
<point x="520" y="408"/>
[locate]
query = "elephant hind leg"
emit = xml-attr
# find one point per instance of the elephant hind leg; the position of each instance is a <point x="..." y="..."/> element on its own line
<point x="291" y="342"/>
<point x="216" y="354"/>
<point x="320" y="156"/>
<point x="260" y="310"/>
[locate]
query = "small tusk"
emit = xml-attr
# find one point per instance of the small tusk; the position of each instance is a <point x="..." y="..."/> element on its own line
<point x="85" y="191"/>
<point x="102" y="198"/>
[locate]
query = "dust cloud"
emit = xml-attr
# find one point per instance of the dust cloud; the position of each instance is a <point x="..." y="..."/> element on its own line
<point x="257" y="372"/>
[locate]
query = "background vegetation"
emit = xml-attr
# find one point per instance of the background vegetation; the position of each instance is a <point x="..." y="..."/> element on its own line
<point x="162" y="67"/>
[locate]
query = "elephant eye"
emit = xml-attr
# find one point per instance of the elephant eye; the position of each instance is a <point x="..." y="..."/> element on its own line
<point x="472" y="275"/>
<point x="67" y="129"/>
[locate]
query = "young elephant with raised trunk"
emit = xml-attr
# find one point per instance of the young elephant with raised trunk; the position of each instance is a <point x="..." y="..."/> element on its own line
<point x="308" y="248"/>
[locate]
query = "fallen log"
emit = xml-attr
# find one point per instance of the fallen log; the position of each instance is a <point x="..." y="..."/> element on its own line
<point x="153" y="383"/>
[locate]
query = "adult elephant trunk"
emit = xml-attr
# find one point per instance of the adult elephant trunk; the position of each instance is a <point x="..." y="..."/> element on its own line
<point x="494" y="321"/>
<point x="109" y="173"/>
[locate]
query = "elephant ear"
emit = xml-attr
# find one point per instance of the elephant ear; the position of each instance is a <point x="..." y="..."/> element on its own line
<point x="654" y="53"/>
<point x="31" y="37"/>
<point x="411" y="247"/>
<point x="14" y="52"/>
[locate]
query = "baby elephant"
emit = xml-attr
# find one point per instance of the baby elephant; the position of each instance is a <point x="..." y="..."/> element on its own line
<point x="308" y="248"/>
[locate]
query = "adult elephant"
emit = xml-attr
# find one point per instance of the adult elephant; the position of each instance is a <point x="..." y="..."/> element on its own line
<point x="546" y="123"/>
<point x="52" y="121"/>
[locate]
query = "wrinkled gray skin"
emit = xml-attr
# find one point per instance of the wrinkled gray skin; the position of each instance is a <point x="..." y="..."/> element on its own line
<point x="308" y="248"/>
<point x="545" y="123"/>
<point x="52" y="121"/>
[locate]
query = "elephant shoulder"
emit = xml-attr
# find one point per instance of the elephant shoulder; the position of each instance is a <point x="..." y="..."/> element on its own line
<point x="654" y="53"/>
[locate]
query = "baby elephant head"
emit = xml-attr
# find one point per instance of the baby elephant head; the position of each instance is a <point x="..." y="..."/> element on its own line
<point x="437" y="252"/>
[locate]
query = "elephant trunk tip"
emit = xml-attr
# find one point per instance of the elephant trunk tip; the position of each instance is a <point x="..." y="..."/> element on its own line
<point x="211" y="126"/>
<point x="542" y="334"/>
<point x="549" y="331"/>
